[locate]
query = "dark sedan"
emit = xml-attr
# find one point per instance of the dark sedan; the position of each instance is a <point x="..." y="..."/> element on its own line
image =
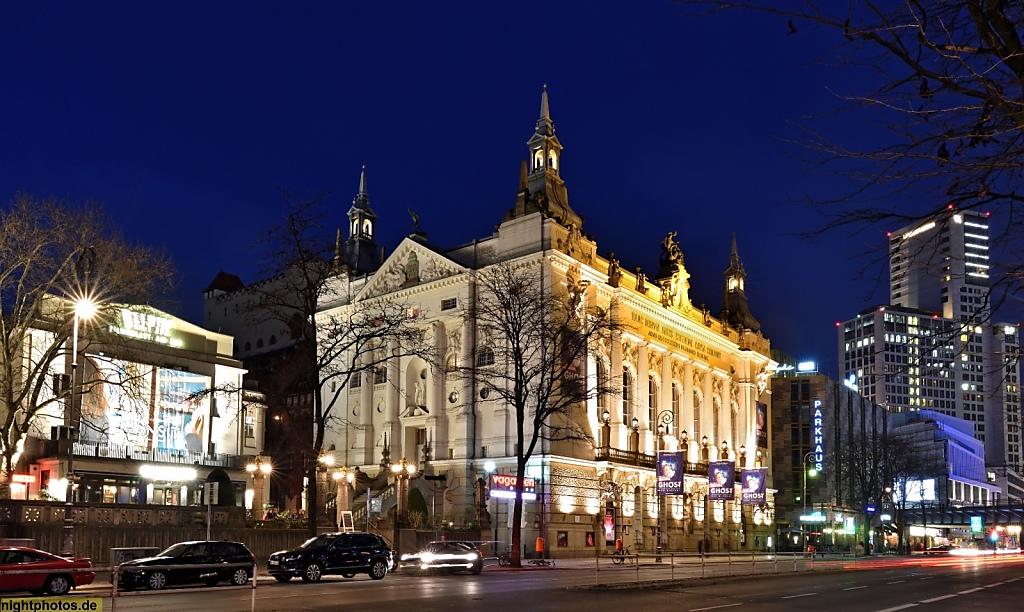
<point x="347" y="554"/>
<point x="444" y="556"/>
<point x="189" y="563"/>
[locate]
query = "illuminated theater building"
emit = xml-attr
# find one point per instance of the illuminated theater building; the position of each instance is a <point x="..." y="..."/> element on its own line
<point x="158" y="408"/>
<point x="701" y="377"/>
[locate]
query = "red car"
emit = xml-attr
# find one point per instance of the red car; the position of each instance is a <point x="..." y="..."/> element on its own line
<point x="61" y="574"/>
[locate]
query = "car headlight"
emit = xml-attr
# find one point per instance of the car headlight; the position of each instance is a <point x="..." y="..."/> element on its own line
<point x="469" y="557"/>
<point x="427" y="557"/>
<point x="407" y="556"/>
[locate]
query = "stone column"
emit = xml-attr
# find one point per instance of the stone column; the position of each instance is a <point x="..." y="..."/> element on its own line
<point x="437" y="430"/>
<point x="366" y="412"/>
<point x="707" y="423"/>
<point x="615" y="404"/>
<point x="642" y="396"/>
<point x="392" y="399"/>
<point x="666" y="392"/>
<point x="726" y="420"/>
<point x="687" y="404"/>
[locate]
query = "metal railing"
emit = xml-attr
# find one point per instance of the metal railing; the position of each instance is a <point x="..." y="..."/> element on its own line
<point x="185" y="457"/>
<point x="644" y="460"/>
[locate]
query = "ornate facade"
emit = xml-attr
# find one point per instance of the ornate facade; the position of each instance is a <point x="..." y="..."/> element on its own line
<point x="696" y="376"/>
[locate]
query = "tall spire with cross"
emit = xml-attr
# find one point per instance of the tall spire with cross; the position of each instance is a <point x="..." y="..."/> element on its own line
<point x="361" y="253"/>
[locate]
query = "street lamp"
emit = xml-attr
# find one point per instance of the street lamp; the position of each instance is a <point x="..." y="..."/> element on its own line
<point x="704" y="448"/>
<point x="259" y="469"/>
<point x="324" y="462"/>
<point x="684" y="442"/>
<point x="725" y="449"/>
<point x="84" y="309"/>
<point x="813" y="473"/>
<point x="402" y="471"/>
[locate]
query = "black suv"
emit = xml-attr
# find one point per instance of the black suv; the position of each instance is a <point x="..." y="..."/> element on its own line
<point x="347" y="554"/>
<point x="193" y="561"/>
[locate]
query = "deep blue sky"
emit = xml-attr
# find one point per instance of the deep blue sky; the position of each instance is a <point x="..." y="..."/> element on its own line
<point x="187" y="118"/>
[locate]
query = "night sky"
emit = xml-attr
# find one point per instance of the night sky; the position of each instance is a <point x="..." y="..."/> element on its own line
<point x="187" y="119"/>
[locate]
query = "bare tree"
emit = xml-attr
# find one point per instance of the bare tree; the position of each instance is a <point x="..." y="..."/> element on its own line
<point x="535" y="360"/>
<point x="51" y="254"/>
<point x="943" y="80"/>
<point x="336" y="338"/>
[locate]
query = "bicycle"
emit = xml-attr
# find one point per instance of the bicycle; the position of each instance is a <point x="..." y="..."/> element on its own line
<point x="620" y="555"/>
<point x="505" y="558"/>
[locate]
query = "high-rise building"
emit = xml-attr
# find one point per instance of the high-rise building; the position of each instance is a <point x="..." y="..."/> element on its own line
<point x="935" y="345"/>
<point x="941" y="266"/>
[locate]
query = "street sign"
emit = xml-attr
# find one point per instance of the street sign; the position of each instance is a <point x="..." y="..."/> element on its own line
<point x="212" y="493"/>
<point x="976" y="524"/>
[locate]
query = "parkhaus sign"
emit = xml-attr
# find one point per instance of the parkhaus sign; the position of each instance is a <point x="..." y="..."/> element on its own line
<point x="818" y="426"/>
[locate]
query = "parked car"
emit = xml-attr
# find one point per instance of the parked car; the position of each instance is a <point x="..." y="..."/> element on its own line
<point x="444" y="556"/>
<point x="347" y="554"/>
<point x="61" y="574"/>
<point x="153" y="573"/>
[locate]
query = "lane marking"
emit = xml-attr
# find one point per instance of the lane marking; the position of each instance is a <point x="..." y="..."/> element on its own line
<point x="903" y="607"/>
<point x="896" y="582"/>
<point x="714" y="607"/>
<point x="970" y="591"/>
<point x="801" y="595"/>
<point x="994" y="584"/>
<point x="934" y="599"/>
<point x="855" y="588"/>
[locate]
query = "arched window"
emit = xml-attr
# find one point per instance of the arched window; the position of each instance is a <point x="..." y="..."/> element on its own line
<point x="272" y="340"/>
<point x="553" y="160"/>
<point x="601" y="376"/>
<point x="485" y="356"/>
<point x="627" y="394"/>
<point x="538" y="159"/>
<point x="676" y="397"/>
<point x="259" y="343"/>
<point x="653" y="388"/>
<point x="697" y="409"/>
<point x="248" y="346"/>
<point x="368" y="228"/>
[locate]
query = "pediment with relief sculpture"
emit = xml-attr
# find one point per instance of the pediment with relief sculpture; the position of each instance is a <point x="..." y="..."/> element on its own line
<point x="411" y="264"/>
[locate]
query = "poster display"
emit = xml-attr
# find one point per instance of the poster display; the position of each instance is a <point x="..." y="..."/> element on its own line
<point x="754" y="486"/>
<point x="761" y="425"/>
<point x="671" y="467"/>
<point x="721" y="480"/>
<point x="130" y="404"/>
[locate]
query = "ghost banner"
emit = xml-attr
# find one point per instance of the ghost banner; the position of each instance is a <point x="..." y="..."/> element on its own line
<point x="721" y="480"/>
<point x="671" y="467"/>
<point x="754" y="486"/>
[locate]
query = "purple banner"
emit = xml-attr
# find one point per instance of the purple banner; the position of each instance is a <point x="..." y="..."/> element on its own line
<point x="761" y="430"/>
<point x="671" y="466"/>
<point x="754" y="487"/>
<point x="721" y="480"/>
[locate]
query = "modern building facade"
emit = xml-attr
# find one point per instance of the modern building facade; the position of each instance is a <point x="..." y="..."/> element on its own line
<point x="159" y="408"/>
<point x="935" y="346"/>
<point x="814" y="422"/>
<point x="699" y="377"/>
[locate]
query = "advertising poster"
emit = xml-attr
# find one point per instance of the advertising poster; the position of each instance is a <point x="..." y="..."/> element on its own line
<point x="761" y="430"/>
<point x="754" y="487"/>
<point x="179" y="412"/>
<point x="721" y="480"/>
<point x="116" y="402"/>
<point x="671" y="467"/>
<point x="609" y="526"/>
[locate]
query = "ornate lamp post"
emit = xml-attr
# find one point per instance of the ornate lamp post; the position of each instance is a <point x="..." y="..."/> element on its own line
<point x="259" y="469"/>
<point x="606" y="430"/>
<point x="684" y="443"/>
<point x="705" y="456"/>
<point x="324" y="462"/>
<point x="402" y="471"/>
<point x="84" y="309"/>
<point x="813" y="473"/>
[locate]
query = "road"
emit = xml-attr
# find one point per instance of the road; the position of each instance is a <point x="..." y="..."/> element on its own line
<point x="932" y="585"/>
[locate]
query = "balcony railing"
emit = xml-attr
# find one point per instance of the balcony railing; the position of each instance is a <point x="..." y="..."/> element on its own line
<point x="644" y="460"/>
<point x="115" y="451"/>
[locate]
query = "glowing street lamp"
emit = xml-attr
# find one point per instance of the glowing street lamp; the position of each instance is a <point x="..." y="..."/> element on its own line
<point x="343" y="480"/>
<point x="259" y="470"/>
<point x="84" y="309"/>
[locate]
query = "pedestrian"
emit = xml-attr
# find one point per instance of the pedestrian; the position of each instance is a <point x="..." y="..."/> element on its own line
<point x="700" y="547"/>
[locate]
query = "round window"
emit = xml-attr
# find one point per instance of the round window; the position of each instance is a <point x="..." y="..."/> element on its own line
<point x="453" y="397"/>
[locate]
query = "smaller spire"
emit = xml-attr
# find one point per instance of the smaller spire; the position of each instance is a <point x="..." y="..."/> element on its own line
<point x="734" y="258"/>
<point x="544" y="125"/>
<point x="362" y="180"/>
<point x="545" y="113"/>
<point x="524" y="182"/>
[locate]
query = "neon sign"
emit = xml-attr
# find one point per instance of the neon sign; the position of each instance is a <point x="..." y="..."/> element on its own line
<point x="504" y="486"/>
<point x="817" y="422"/>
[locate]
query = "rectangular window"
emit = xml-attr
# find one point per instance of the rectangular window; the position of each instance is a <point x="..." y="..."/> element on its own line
<point x="357" y="380"/>
<point x="449" y="304"/>
<point x="250" y="427"/>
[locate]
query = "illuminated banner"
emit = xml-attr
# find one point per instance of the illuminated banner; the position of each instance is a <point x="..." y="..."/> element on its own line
<point x="504" y="486"/>
<point x="609" y="526"/>
<point x="754" y="490"/>
<point x="817" y="423"/>
<point x="762" y="424"/>
<point x="721" y="480"/>
<point x="671" y="466"/>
